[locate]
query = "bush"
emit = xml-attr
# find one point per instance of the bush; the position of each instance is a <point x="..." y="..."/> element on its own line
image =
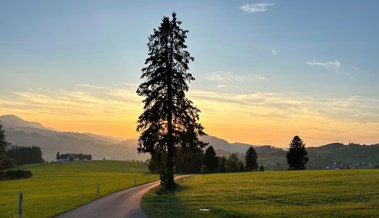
<point x="9" y="163"/>
<point x="261" y="168"/>
<point x="17" y="174"/>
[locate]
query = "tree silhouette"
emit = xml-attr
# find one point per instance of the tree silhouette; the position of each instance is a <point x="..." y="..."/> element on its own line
<point x="251" y="159"/>
<point x="4" y="145"/>
<point x="169" y="118"/>
<point x="221" y="165"/>
<point x="188" y="162"/>
<point x="234" y="164"/>
<point x="204" y="169"/>
<point x="210" y="159"/>
<point x="261" y="168"/>
<point x="25" y="155"/>
<point x="297" y="156"/>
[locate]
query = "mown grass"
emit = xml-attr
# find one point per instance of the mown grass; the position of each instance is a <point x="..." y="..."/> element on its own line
<point x="344" y="193"/>
<point x="58" y="187"/>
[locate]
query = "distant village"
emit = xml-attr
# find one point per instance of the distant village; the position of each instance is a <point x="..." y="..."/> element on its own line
<point x="73" y="157"/>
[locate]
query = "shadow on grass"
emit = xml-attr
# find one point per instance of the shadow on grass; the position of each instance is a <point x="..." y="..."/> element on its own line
<point x="157" y="204"/>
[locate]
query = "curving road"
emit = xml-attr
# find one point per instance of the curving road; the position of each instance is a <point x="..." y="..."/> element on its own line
<point x="122" y="204"/>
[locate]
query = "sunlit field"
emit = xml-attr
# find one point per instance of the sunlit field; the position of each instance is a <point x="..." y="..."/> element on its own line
<point x="57" y="187"/>
<point x="343" y="193"/>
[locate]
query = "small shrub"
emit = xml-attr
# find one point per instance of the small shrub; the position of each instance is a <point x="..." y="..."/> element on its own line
<point x="261" y="168"/>
<point x="17" y="174"/>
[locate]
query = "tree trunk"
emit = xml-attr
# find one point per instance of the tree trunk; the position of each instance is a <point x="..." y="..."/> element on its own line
<point x="170" y="169"/>
<point x="170" y="185"/>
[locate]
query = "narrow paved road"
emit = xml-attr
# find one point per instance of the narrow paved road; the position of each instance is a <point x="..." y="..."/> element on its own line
<point x="122" y="204"/>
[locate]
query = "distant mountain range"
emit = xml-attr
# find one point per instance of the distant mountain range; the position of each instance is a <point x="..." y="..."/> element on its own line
<point x="24" y="133"/>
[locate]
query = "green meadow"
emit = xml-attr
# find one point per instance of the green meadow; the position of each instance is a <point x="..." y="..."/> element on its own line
<point x="310" y="193"/>
<point x="58" y="187"/>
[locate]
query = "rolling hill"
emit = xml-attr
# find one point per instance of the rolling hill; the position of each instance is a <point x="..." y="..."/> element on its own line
<point x="339" y="156"/>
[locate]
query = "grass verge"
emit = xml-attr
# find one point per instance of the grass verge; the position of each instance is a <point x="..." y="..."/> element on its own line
<point x="344" y="193"/>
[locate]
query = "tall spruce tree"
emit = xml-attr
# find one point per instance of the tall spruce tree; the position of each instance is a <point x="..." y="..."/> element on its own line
<point x="210" y="159"/>
<point x="3" y="146"/>
<point x="251" y="157"/>
<point x="169" y="118"/>
<point x="297" y="156"/>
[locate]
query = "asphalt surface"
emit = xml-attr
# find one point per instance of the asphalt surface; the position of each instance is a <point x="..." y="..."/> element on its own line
<point x="122" y="204"/>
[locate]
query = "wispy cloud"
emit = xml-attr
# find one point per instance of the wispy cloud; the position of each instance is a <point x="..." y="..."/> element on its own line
<point x="90" y="86"/>
<point x="337" y="67"/>
<point x="329" y="64"/>
<point x="256" y="8"/>
<point x="292" y="106"/>
<point x="80" y="102"/>
<point x="230" y="77"/>
<point x="274" y="52"/>
<point x="222" y="86"/>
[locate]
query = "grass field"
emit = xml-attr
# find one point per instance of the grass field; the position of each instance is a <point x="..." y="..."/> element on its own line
<point x="57" y="187"/>
<point x="343" y="193"/>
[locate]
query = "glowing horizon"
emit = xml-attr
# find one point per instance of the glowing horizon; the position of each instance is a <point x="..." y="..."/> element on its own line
<point x="256" y="118"/>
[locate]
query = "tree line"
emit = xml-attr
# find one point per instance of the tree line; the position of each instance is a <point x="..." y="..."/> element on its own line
<point x="25" y="155"/>
<point x="209" y="162"/>
<point x="9" y="156"/>
<point x="3" y="147"/>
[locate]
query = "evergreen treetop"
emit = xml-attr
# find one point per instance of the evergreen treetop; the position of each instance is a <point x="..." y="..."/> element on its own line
<point x="210" y="159"/>
<point x="297" y="156"/>
<point x="251" y="157"/>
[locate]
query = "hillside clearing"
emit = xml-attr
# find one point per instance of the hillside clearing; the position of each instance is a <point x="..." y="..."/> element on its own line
<point x="343" y="193"/>
<point x="58" y="187"/>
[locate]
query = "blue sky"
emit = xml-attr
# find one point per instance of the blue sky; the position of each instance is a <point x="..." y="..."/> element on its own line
<point x="272" y="68"/>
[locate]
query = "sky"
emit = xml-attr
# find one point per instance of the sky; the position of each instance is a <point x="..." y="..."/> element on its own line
<point x="265" y="70"/>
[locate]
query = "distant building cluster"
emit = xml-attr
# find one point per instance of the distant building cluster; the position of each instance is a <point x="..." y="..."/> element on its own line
<point x="342" y="165"/>
<point x="73" y="157"/>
